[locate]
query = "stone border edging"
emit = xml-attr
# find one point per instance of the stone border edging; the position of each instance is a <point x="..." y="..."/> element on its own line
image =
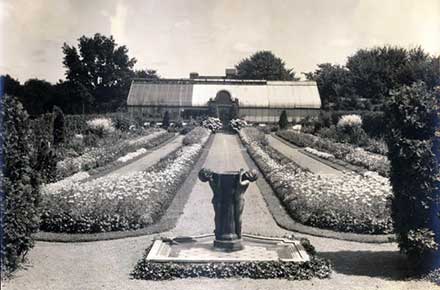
<point x="284" y="220"/>
<point x="167" y="222"/>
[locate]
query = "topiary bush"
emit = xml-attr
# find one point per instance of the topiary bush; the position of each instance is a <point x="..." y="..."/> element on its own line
<point x="166" y="120"/>
<point x="412" y="121"/>
<point x="20" y="183"/>
<point x="283" y="121"/>
<point x="45" y="162"/>
<point x="59" y="130"/>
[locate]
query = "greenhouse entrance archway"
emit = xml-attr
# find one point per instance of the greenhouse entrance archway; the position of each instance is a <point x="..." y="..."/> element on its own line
<point x="224" y="107"/>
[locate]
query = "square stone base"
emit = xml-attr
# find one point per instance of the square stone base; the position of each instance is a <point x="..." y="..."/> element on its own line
<point x="200" y="249"/>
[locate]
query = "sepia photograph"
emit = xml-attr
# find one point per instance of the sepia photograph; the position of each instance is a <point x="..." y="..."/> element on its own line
<point x="227" y="144"/>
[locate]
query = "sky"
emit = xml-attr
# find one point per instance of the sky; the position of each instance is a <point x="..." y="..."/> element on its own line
<point x="206" y="36"/>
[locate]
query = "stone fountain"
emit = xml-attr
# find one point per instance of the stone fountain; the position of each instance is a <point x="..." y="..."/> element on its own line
<point x="228" y="201"/>
<point x="228" y="244"/>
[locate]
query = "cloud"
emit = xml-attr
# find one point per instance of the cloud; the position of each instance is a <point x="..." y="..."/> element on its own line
<point x="177" y="37"/>
<point x="243" y="47"/>
<point x="118" y="21"/>
<point x="182" y="24"/>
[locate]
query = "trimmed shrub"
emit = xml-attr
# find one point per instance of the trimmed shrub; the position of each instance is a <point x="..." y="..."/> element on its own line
<point x="42" y="129"/>
<point x="59" y="131"/>
<point x="412" y="119"/>
<point x="166" y="120"/>
<point x="46" y="163"/>
<point x="283" y="121"/>
<point x="20" y="184"/>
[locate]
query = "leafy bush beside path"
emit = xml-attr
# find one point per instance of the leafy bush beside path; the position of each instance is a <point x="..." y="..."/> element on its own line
<point x="19" y="200"/>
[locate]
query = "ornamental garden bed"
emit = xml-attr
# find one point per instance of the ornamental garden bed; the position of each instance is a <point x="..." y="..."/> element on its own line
<point x="102" y="157"/>
<point x="347" y="203"/>
<point x="348" y="153"/>
<point x="118" y="202"/>
<point x="316" y="267"/>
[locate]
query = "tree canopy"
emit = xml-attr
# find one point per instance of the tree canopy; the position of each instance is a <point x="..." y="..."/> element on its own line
<point x="264" y="65"/>
<point x="98" y="77"/>
<point x="370" y="74"/>
<point x="101" y="67"/>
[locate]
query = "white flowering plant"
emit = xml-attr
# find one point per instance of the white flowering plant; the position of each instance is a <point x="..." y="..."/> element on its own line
<point x="349" y="121"/>
<point x="101" y="126"/>
<point x="319" y="153"/>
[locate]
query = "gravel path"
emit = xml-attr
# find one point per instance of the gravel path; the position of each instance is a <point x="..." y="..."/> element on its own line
<point x="107" y="264"/>
<point x="301" y="159"/>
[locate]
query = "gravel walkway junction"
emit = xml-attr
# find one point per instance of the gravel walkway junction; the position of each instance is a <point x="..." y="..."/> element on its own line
<point x="107" y="264"/>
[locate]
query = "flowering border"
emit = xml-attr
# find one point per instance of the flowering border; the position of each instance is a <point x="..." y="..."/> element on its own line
<point x="300" y="191"/>
<point x="114" y="202"/>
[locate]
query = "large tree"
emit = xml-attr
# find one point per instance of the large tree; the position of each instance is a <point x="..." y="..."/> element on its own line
<point x="102" y="67"/>
<point x="370" y="75"/>
<point x="37" y="96"/>
<point x="378" y="70"/>
<point x="264" y="65"/>
<point x="12" y="86"/>
<point x="146" y="74"/>
<point x="334" y="84"/>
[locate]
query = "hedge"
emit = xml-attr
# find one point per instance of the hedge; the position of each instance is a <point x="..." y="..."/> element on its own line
<point x="412" y="118"/>
<point x="20" y="183"/>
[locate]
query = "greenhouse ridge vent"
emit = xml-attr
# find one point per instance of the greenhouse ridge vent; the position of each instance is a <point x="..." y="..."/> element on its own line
<point x="255" y="100"/>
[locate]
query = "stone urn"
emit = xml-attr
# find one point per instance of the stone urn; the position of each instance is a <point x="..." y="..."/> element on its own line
<point x="228" y="201"/>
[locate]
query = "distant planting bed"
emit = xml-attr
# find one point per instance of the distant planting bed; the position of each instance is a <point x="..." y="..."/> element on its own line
<point x="118" y="202"/>
<point x="346" y="152"/>
<point x="347" y="203"/>
<point x="107" y="155"/>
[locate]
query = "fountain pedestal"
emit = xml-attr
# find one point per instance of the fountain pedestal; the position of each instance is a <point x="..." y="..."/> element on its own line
<point x="227" y="245"/>
<point x="228" y="201"/>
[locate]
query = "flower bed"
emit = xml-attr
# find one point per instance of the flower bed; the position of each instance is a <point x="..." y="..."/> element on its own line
<point x="353" y="155"/>
<point x="129" y="156"/>
<point x="99" y="156"/>
<point x="319" y="153"/>
<point x="348" y="203"/>
<point x="117" y="202"/>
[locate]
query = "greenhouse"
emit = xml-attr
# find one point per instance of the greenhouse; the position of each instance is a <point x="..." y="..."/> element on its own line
<point x="252" y="100"/>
